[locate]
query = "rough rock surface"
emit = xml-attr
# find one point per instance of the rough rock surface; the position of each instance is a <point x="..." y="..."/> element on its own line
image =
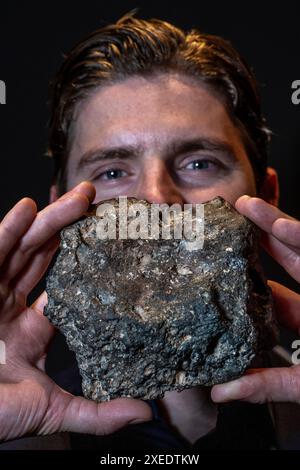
<point x="148" y="316"/>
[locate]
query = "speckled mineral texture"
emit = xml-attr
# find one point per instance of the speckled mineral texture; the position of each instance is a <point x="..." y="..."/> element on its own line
<point x="148" y="316"/>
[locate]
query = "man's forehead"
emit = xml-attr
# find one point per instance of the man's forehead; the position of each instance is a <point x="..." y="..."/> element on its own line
<point x="172" y="89"/>
<point x="149" y="111"/>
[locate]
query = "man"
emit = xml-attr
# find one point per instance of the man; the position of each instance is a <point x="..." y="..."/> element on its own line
<point x="142" y="109"/>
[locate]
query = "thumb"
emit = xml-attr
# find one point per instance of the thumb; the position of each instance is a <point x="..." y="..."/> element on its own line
<point x="40" y="302"/>
<point x="88" y="417"/>
<point x="280" y="384"/>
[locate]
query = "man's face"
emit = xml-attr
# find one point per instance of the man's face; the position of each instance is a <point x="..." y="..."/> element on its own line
<point x="165" y="139"/>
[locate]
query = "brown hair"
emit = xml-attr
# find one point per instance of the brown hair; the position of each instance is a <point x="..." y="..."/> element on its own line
<point x="134" y="46"/>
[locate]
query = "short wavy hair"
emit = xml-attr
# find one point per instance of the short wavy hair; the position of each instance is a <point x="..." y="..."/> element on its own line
<point x="138" y="47"/>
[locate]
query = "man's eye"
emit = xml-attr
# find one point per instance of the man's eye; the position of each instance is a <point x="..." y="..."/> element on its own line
<point x="199" y="165"/>
<point x="111" y="174"/>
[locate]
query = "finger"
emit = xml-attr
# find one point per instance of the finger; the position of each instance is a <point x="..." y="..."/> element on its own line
<point x="287" y="257"/>
<point x="40" y="324"/>
<point x="260" y="386"/>
<point x="23" y="284"/>
<point x="260" y="212"/>
<point x="287" y="231"/>
<point x="271" y="220"/>
<point x="287" y="306"/>
<point x="15" y="224"/>
<point x="36" y="267"/>
<point x="37" y="326"/>
<point x="85" y="416"/>
<point x="49" y="221"/>
<point x="283" y="230"/>
<point x="39" y="304"/>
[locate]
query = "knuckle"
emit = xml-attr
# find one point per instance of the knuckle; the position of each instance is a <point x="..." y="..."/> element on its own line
<point x="7" y="230"/>
<point x="25" y="249"/>
<point x="293" y="260"/>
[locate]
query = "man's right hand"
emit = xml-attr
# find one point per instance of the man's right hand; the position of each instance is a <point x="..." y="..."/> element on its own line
<point x="30" y="402"/>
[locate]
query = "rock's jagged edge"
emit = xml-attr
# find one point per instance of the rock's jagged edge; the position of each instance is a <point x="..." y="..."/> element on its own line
<point x="148" y="316"/>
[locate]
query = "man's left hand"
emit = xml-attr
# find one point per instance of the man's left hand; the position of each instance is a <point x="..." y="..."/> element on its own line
<point x="281" y="239"/>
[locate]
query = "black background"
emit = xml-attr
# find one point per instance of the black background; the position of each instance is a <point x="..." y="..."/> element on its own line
<point x="34" y="37"/>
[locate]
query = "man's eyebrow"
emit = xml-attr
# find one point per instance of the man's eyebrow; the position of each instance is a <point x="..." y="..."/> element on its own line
<point x="202" y="143"/>
<point x="110" y="153"/>
<point x="173" y="149"/>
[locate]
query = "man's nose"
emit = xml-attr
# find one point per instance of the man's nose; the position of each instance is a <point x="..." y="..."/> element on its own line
<point x="156" y="184"/>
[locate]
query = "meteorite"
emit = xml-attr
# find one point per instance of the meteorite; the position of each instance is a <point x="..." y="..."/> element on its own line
<point x="146" y="316"/>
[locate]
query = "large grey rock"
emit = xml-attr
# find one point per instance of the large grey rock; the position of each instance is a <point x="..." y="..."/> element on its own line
<point x="148" y="316"/>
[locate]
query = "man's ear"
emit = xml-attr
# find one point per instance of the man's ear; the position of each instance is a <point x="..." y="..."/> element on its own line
<point x="53" y="193"/>
<point x="270" y="187"/>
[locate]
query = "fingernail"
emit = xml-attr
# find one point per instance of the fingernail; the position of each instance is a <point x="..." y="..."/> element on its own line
<point x="79" y="186"/>
<point x="139" y="420"/>
<point x="245" y="197"/>
<point x="228" y="391"/>
<point x="90" y="192"/>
